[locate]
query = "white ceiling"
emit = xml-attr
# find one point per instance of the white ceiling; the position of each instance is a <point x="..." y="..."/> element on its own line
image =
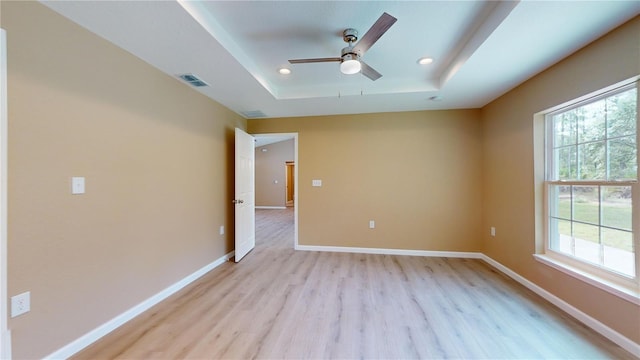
<point x="481" y="49"/>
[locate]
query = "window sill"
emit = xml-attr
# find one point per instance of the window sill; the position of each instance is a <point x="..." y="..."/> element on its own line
<point x="629" y="293"/>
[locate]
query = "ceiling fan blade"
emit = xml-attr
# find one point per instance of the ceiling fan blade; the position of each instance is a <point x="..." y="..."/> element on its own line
<point x="317" y="60"/>
<point x="369" y="72"/>
<point x="377" y="30"/>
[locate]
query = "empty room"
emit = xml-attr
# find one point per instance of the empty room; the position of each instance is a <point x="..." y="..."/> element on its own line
<point x="319" y="179"/>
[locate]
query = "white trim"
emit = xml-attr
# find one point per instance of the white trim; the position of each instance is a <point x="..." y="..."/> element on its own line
<point x="296" y="198"/>
<point x="5" y="334"/>
<point x="84" y="341"/>
<point x="104" y="329"/>
<point x="358" y="250"/>
<point x="592" y="323"/>
<point x="271" y="207"/>
<point x="591" y="279"/>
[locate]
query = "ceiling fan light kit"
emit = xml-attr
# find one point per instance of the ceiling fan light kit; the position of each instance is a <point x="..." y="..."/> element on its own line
<point x="350" y="59"/>
<point x="350" y="65"/>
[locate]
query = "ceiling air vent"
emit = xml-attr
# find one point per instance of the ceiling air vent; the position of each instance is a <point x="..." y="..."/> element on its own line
<point x="193" y="80"/>
<point x="252" y="114"/>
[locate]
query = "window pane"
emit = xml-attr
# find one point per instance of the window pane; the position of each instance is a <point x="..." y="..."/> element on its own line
<point x="586" y="239"/>
<point x="618" y="239"/>
<point x="618" y="251"/>
<point x="564" y="129"/>
<point x="622" y="158"/>
<point x="586" y="232"/>
<point x="586" y="204"/>
<point x="616" y="207"/>
<point x="560" y="201"/>
<point x="593" y="148"/>
<point x="560" y="232"/>
<point x="621" y="113"/>
<point x="566" y="163"/>
<point x="591" y="165"/>
<point x="591" y="122"/>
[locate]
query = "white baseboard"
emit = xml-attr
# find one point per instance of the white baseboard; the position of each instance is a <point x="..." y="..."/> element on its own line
<point x="104" y="329"/>
<point x="592" y="323"/>
<point x="271" y="207"/>
<point x="6" y="345"/>
<point x="358" y="250"/>
<point x="89" y="338"/>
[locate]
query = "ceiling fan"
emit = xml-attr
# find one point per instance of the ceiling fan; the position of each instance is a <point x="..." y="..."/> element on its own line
<point x="350" y="58"/>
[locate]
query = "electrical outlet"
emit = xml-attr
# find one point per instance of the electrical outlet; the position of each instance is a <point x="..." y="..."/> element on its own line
<point x="221" y="229"/>
<point x="493" y="231"/>
<point x="372" y="224"/>
<point x="20" y="304"/>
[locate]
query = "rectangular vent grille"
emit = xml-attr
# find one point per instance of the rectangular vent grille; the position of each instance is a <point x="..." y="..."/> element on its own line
<point x="193" y="80"/>
<point x="252" y="114"/>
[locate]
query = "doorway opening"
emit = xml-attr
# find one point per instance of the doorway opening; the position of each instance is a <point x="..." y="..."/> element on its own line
<point x="290" y="185"/>
<point x="290" y="196"/>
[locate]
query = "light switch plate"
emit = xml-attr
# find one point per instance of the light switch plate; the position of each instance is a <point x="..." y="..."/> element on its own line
<point x="316" y="183"/>
<point x="77" y="185"/>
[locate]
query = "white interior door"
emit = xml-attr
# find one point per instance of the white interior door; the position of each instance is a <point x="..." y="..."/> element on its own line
<point x="244" y="200"/>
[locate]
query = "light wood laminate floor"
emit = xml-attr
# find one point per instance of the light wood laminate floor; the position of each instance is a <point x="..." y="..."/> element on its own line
<point x="282" y="304"/>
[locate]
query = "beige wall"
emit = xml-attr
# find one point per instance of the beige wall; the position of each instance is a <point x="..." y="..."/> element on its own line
<point x="160" y="177"/>
<point x="415" y="173"/>
<point x="158" y="162"/>
<point x="508" y="182"/>
<point x="270" y="167"/>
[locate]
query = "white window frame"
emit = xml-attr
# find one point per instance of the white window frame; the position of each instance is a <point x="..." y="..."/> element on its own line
<point x="609" y="280"/>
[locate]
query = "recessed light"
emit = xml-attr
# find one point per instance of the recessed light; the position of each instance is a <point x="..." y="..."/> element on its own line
<point x="284" y="71"/>
<point x="425" y="60"/>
